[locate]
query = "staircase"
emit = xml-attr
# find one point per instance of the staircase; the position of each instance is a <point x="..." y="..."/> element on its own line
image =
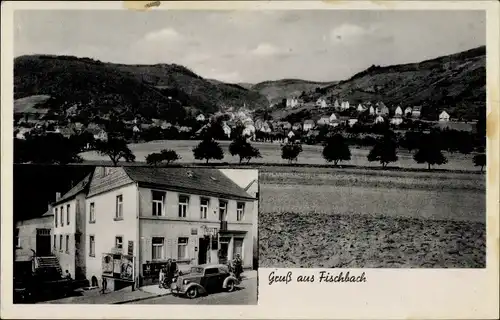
<point x="48" y="266"/>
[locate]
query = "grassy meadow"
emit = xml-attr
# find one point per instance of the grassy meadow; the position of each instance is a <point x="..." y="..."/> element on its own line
<point x="271" y="154"/>
<point x="321" y="217"/>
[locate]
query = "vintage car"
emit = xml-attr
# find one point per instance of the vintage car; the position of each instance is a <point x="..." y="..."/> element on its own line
<point x="203" y="279"/>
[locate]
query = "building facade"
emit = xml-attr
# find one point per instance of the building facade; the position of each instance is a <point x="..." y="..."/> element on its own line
<point x="68" y="243"/>
<point x="153" y="214"/>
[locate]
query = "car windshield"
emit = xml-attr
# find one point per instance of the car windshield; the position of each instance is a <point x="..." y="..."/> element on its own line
<point x="196" y="270"/>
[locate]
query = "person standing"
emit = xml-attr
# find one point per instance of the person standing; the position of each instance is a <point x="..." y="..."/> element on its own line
<point x="68" y="275"/>
<point x="161" y="277"/>
<point x="238" y="269"/>
<point x="104" y="284"/>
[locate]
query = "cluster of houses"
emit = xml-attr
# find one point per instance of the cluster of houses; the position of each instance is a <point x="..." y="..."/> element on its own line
<point x="379" y="112"/>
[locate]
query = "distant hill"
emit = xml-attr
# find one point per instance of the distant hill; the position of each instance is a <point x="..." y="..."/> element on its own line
<point x="455" y="82"/>
<point x="277" y="90"/>
<point x="129" y="89"/>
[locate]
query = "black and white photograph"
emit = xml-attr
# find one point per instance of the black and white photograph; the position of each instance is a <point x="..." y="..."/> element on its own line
<point x="118" y="235"/>
<point x="229" y="153"/>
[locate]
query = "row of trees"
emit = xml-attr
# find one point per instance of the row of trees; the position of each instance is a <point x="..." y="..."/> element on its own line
<point x="429" y="151"/>
<point x="54" y="148"/>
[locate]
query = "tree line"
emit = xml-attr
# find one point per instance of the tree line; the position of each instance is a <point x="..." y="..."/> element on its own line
<point x="427" y="148"/>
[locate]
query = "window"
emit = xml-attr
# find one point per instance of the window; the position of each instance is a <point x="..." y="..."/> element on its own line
<point x="17" y="239"/>
<point x="222" y="210"/>
<point x="119" y="242"/>
<point x="182" y="248"/>
<point x="204" y="208"/>
<point x="119" y="207"/>
<point x="107" y="171"/>
<point x="67" y="243"/>
<point x="209" y="271"/>
<point x="92" y="213"/>
<point x="158" y="203"/>
<point x="92" y="246"/>
<point x="67" y="214"/>
<point x="157" y="248"/>
<point x="183" y="205"/>
<point x="54" y="243"/>
<point x="60" y="243"/>
<point x="62" y="216"/>
<point x="56" y="217"/>
<point x="240" y="210"/>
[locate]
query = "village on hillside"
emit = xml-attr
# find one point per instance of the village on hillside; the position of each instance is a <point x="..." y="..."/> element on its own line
<point x="251" y="124"/>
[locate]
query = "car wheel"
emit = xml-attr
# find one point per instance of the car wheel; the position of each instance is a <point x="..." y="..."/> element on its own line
<point x="192" y="293"/>
<point x="230" y="286"/>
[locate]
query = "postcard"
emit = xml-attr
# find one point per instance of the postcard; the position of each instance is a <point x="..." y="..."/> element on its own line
<point x="250" y="159"/>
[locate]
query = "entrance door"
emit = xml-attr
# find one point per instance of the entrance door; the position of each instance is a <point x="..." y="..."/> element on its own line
<point x="43" y="242"/>
<point x="203" y="247"/>
<point x="223" y="250"/>
<point x="238" y="247"/>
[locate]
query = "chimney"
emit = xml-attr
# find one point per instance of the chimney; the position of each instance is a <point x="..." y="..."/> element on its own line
<point x="49" y="207"/>
<point x="58" y="196"/>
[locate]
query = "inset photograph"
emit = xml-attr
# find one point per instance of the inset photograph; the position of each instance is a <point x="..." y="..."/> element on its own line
<point x="114" y="235"/>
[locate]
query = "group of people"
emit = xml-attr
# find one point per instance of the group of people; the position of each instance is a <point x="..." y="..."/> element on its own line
<point x="167" y="273"/>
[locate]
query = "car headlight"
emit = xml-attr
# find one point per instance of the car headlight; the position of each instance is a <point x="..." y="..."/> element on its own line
<point x="186" y="281"/>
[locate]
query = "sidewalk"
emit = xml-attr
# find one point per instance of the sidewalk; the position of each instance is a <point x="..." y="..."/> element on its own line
<point x="126" y="295"/>
<point x="113" y="297"/>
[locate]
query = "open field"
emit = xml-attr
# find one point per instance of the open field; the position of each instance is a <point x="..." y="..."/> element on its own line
<point x="271" y="153"/>
<point x="318" y="217"/>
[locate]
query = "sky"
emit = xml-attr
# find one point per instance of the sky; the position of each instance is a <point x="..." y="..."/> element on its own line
<point x="39" y="184"/>
<point x="252" y="46"/>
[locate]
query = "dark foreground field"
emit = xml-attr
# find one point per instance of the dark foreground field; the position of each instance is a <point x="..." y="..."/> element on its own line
<point x="317" y="217"/>
<point x="316" y="240"/>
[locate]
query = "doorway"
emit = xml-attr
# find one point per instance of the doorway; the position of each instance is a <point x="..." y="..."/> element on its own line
<point x="43" y="245"/>
<point x="203" y="247"/>
<point x="223" y="249"/>
<point x="238" y="247"/>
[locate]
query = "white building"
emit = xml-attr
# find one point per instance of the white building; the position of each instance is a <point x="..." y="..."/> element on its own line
<point x="308" y="125"/>
<point x="321" y="103"/>
<point x="292" y="103"/>
<point x="397" y="120"/>
<point x="200" y="117"/>
<point x="226" y="129"/>
<point x="345" y="105"/>
<point x="146" y="215"/>
<point x="444" y="116"/>
<point x="398" y="111"/>
<point x="68" y="244"/>
<point x="336" y="104"/>
<point x="372" y="110"/>
<point x="408" y="111"/>
<point x="360" y="108"/>
<point x="379" y="119"/>
<point x="352" y="121"/>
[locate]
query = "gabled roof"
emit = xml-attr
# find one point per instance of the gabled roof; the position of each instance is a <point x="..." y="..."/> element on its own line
<point x="207" y="181"/>
<point x="48" y="213"/>
<point x="73" y="192"/>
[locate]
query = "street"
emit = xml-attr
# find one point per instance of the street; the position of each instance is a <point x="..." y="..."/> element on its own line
<point x="246" y="293"/>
